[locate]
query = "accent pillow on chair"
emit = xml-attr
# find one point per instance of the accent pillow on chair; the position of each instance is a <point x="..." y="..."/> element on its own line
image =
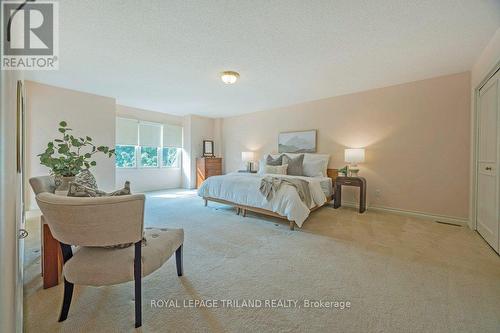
<point x="86" y="178"/>
<point x="80" y="190"/>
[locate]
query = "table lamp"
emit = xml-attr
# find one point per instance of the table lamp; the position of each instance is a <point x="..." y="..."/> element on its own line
<point x="248" y="157"/>
<point x="353" y="156"/>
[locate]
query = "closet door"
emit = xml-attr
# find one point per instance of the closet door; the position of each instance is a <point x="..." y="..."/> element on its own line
<point x="487" y="162"/>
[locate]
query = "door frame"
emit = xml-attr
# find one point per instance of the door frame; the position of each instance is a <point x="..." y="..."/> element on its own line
<point x="475" y="146"/>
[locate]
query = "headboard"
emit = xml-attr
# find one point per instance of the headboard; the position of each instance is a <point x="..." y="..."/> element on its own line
<point x="332" y="173"/>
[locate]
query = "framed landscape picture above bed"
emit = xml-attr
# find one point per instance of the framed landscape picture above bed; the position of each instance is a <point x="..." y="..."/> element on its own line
<point x="297" y="142"/>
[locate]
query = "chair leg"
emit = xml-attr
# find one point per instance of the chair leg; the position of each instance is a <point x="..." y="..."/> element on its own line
<point x="178" y="261"/>
<point x="292" y="225"/>
<point x="68" y="294"/>
<point x="68" y="286"/>
<point x="137" y="282"/>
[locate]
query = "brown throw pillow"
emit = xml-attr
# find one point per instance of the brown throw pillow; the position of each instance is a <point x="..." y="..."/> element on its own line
<point x="295" y="167"/>
<point x="81" y="190"/>
<point x="85" y="177"/>
<point x="274" y="161"/>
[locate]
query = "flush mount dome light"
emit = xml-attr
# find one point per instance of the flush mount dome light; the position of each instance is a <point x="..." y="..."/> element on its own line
<point x="229" y="77"/>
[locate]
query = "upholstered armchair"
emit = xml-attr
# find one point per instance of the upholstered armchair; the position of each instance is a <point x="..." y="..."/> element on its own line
<point x="43" y="184"/>
<point x="95" y="224"/>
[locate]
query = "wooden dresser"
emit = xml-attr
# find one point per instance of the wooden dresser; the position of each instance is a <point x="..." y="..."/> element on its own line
<point x="206" y="167"/>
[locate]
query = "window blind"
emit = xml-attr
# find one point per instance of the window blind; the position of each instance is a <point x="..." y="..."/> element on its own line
<point x="149" y="134"/>
<point x="126" y="131"/>
<point x="172" y="136"/>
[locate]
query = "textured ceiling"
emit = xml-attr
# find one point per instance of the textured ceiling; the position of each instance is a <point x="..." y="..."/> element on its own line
<point x="166" y="55"/>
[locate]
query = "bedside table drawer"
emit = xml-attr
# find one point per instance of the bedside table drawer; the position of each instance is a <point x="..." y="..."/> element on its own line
<point x="353" y="182"/>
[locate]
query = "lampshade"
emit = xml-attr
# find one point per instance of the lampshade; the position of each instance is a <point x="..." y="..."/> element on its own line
<point x="354" y="155"/>
<point x="247" y="156"/>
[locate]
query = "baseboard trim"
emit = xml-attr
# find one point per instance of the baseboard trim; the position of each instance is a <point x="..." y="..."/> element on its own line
<point x="442" y="218"/>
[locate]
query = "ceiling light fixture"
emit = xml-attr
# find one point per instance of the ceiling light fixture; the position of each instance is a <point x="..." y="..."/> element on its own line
<point x="229" y="77"/>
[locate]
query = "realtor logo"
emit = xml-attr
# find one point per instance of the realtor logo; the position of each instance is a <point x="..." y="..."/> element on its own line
<point x="30" y="35"/>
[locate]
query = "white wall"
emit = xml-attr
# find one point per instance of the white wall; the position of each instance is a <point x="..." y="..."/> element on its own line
<point x="187" y="164"/>
<point x="149" y="179"/>
<point x="87" y="114"/>
<point x="197" y="129"/>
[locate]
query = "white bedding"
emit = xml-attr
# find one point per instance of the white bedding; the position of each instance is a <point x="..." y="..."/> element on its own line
<point x="326" y="185"/>
<point x="243" y="188"/>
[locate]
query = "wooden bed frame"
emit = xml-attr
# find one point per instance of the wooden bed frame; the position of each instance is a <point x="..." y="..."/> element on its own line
<point x="331" y="173"/>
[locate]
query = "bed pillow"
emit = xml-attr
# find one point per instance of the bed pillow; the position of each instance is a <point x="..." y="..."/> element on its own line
<point x="324" y="158"/>
<point x="294" y="165"/>
<point x="274" y="161"/>
<point x="314" y="168"/>
<point x="276" y="169"/>
<point x="262" y="166"/>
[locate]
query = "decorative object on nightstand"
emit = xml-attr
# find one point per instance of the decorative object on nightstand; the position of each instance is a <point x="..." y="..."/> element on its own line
<point x="207" y="167"/>
<point x="343" y="171"/>
<point x="208" y="148"/>
<point x="248" y="157"/>
<point x="350" y="181"/>
<point x="353" y="156"/>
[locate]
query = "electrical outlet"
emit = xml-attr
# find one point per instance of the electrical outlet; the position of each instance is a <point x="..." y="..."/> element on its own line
<point x="377" y="193"/>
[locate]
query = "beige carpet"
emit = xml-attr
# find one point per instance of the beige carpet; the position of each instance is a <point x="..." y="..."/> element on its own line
<point x="401" y="275"/>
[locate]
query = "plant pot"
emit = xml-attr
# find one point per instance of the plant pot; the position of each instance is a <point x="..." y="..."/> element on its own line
<point x="62" y="183"/>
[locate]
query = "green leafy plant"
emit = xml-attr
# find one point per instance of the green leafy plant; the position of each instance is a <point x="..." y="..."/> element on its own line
<point x="69" y="155"/>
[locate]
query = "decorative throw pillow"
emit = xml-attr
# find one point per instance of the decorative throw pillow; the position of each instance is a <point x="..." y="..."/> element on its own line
<point x="276" y="169"/>
<point x="80" y="190"/>
<point x="313" y="168"/>
<point x="294" y="165"/>
<point x="86" y="178"/>
<point x="274" y="161"/>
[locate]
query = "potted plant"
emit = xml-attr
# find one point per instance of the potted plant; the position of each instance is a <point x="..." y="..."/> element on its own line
<point x="69" y="155"/>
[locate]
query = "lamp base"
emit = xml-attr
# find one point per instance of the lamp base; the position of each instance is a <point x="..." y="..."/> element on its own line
<point x="353" y="172"/>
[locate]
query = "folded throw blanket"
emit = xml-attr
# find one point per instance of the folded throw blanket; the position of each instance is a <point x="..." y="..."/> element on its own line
<point x="270" y="185"/>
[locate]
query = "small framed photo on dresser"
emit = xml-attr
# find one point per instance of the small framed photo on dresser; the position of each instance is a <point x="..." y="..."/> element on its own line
<point x="208" y="148"/>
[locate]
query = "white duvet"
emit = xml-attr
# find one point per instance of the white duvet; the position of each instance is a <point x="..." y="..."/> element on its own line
<point x="243" y="188"/>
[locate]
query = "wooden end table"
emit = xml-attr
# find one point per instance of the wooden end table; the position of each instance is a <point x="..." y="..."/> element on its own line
<point x="350" y="181"/>
<point x="51" y="260"/>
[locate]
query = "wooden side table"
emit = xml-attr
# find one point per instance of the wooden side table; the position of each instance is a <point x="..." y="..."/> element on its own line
<point x="350" y="181"/>
<point x="51" y="257"/>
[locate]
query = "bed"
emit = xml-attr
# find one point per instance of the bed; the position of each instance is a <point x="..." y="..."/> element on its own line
<point x="241" y="190"/>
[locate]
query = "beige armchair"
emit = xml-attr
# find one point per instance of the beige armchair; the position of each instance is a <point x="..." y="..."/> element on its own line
<point x="94" y="223"/>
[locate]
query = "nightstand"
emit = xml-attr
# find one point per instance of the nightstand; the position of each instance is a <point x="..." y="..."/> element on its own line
<point x="350" y="181"/>
<point x="246" y="171"/>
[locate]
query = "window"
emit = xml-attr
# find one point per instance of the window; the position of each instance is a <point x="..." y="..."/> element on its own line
<point x="170" y="157"/>
<point x="149" y="157"/>
<point x="141" y="144"/>
<point x="125" y="156"/>
<point x="172" y="144"/>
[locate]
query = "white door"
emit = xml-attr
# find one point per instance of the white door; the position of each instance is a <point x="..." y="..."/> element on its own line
<point x="487" y="163"/>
